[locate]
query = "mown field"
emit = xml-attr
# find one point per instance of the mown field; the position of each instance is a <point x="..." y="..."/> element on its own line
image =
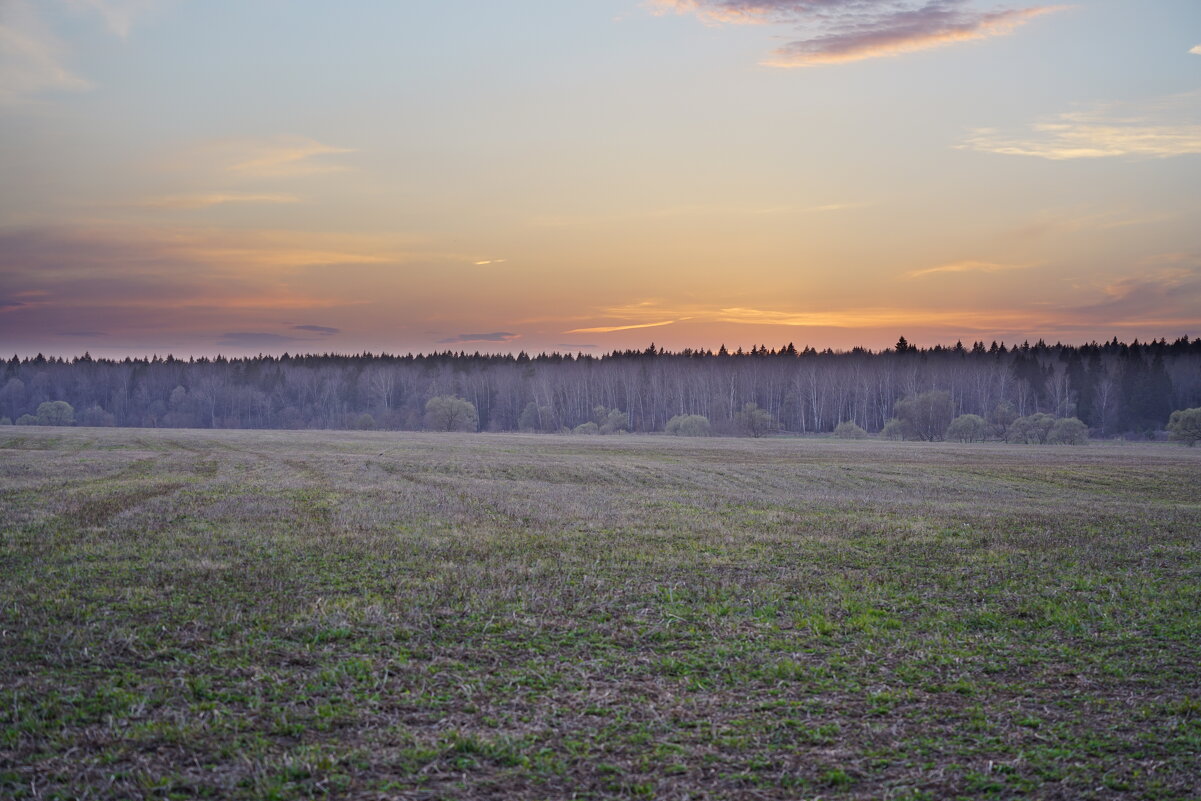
<point x="375" y="615"/>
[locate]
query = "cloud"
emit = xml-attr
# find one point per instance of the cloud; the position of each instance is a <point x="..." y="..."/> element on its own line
<point x="1160" y="128"/>
<point x="489" y="261"/>
<point x="608" y="329"/>
<point x="574" y="346"/>
<point x="82" y="334"/>
<point x="76" y="249"/>
<point x="1196" y="51"/>
<point x="206" y="199"/>
<point x="284" y="156"/>
<point x="241" y="339"/>
<point x="495" y="336"/>
<point x="323" y="330"/>
<point x="1163" y="297"/>
<point x="122" y="278"/>
<point x="840" y="31"/>
<point x="966" y="267"/>
<point x="31" y="57"/>
<point x="119" y="15"/>
<point x="935" y="25"/>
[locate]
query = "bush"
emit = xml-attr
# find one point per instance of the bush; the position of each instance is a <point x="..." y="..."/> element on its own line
<point x="6" y="421"/>
<point x="365" y="422"/>
<point x="538" y="418"/>
<point x="1185" y="426"/>
<point x="925" y="416"/>
<point x="96" y="417"/>
<point x="968" y="428"/>
<point x="1030" y="430"/>
<point x="1068" y="431"/>
<point x="586" y="428"/>
<point x="450" y="413"/>
<point x="1002" y="417"/>
<point x="611" y="421"/>
<point x="893" y="429"/>
<point x="848" y="429"/>
<point x="55" y="413"/>
<point x="27" y="420"/>
<point x="689" y="425"/>
<point x="753" y="421"/>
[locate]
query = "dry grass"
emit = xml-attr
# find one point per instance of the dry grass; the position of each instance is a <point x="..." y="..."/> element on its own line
<point x="368" y="615"/>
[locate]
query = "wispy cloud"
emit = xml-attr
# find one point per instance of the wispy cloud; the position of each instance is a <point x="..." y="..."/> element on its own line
<point x="203" y="200"/>
<point x="177" y="268"/>
<point x="608" y="329"/>
<point x="254" y="339"/>
<point x="283" y="156"/>
<point x="1160" y="297"/>
<point x="1196" y="51"/>
<point x="694" y="210"/>
<point x="485" y="262"/>
<point x="1161" y="128"/>
<point x="82" y="334"/>
<point x="966" y="267"/>
<point x="119" y="15"/>
<point x="32" y="59"/>
<point x="495" y="336"/>
<point x="323" y="330"/>
<point x="840" y="31"/>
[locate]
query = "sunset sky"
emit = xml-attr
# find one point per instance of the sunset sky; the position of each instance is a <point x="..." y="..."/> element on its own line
<point x="245" y="176"/>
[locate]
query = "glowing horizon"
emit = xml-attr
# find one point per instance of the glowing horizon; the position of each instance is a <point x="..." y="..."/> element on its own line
<point x="532" y="175"/>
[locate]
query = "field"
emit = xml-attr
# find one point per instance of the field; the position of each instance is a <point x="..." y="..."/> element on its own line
<point x="375" y="615"/>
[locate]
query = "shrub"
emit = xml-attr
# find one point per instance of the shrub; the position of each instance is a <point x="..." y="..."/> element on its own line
<point x="55" y="413"/>
<point x="1030" y="430"/>
<point x="586" y="428"/>
<point x="96" y="417"/>
<point x="925" y="416"/>
<point x="1002" y="417"/>
<point x="450" y="413"/>
<point x="848" y="429"/>
<point x="1185" y="425"/>
<point x="365" y="422"/>
<point x="538" y="418"/>
<point x="689" y="425"/>
<point x="1068" y="431"/>
<point x="27" y="420"/>
<point x="6" y="421"/>
<point x="753" y="421"/>
<point x="611" y="421"/>
<point x="968" y="428"/>
<point x="893" y="429"/>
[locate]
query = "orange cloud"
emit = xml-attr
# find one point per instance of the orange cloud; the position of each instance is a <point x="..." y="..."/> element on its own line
<point x="206" y="199"/>
<point x="967" y="267"/>
<point x="1161" y="128"/>
<point x="608" y="329"/>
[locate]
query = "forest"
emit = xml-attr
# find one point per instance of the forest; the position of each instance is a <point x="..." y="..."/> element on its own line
<point x="1115" y="388"/>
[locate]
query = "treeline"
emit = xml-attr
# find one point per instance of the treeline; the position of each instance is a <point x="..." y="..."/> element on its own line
<point x="1114" y="387"/>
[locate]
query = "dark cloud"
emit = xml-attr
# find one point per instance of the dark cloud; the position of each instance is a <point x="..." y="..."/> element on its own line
<point x="837" y="31"/>
<point x="573" y="345"/>
<point x="1167" y="294"/>
<point x="82" y="334"/>
<point x="254" y="340"/>
<point x="323" y="330"/>
<point x="495" y="336"/>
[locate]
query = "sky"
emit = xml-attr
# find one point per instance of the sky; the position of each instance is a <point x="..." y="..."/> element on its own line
<point x="246" y="176"/>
